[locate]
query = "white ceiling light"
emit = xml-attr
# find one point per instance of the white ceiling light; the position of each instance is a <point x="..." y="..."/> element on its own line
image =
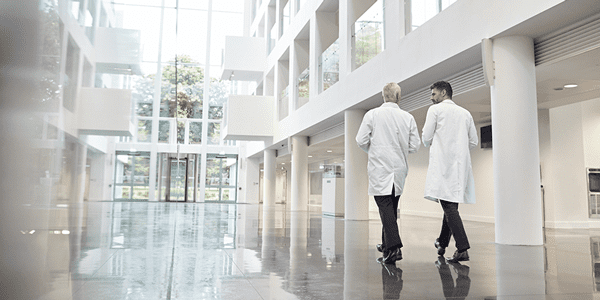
<point x="570" y="86"/>
<point x="329" y="151"/>
<point x="310" y="156"/>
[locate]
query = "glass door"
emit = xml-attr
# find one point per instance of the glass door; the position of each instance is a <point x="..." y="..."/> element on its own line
<point x="221" y="178"/>
<point x="178" y="177"/>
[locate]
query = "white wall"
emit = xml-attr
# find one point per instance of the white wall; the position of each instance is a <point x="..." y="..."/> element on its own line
<point x="575" y="144"/>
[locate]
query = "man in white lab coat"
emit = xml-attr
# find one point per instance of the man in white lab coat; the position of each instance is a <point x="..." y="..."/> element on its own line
<point x="388" y="133"/>
<point x="450" y="131"/>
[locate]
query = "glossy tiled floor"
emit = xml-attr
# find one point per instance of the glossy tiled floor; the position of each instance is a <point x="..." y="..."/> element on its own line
<point x="217" y="251"/>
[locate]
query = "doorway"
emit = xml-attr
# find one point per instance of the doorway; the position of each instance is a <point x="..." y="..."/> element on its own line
<point x="221" y="178"/>
<point x="178" y="174"/>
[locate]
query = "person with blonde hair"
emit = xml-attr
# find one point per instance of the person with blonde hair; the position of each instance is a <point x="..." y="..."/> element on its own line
<point x="388" y="133"/>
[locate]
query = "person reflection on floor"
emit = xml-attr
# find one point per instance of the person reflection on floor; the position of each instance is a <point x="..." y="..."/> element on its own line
<point x="392" y="281"/>
<point x="463" y="282"/>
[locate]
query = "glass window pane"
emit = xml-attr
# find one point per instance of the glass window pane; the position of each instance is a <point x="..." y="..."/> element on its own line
<point x="330" y="66"/>
<point x="141" y="173"/>
<point x="230" y="5"/>
<point x="146" y="20"/>
<point x="218" y="94"/>
<point x="191" y="34"/>
<point x="144" y="131"/>
<point x="142" y="86"/>
<point x="122" y="192"/>
<point x="229" y="171"/>
<point x="71" y="75"/>
<point x="188" y="82"/>
<point x="180" y="132"/>
<point x="52" y="29"/>
<point x="140" y="192"/>
<point x="163" y="131"/>
<point x="195" y="133"/>
<point x="124" y="169"/>
<point x="368" y="32"/>
<point x="228" y="194"/>
<point x="213" y="171"/>
<point x="195" y="4"/>
<point x="214" y="133"/>
<point x="223" y="24"/>
<point x="211" y="193"/>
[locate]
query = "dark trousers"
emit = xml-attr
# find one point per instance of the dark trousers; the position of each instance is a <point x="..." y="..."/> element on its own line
<point x="452" y="225"/>
<point x="388" y="211"/>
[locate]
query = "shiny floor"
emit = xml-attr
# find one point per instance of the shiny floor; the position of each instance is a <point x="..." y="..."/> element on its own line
<point x="133" y="250"/>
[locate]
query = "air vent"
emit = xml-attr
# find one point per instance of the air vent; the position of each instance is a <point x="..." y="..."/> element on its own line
<point x="462" y="82"/>
<point x="578" y="38"/>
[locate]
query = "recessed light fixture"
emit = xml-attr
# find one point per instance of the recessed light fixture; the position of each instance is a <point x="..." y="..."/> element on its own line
<point x="329" y="151"/>
<point x="310" y="156"/>
<point x="570" y="86"/>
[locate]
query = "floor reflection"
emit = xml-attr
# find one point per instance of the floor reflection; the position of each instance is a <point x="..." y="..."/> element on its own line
<point x="454" y="289"/>
<point x="128" y="250"/>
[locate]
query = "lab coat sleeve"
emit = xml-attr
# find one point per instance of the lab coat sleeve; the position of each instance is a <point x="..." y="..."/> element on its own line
<point x="473" y="139"/>
<point x="414" y="141"/>
<point x="429" y="127"/>
<point x="363" y="137"/>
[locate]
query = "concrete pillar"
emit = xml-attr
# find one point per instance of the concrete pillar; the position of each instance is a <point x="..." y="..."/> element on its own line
<point x="299" y="195"/>
<point x="356" y="179"/>
<point x="269" y="178"/>
<point x="517" y="195"/>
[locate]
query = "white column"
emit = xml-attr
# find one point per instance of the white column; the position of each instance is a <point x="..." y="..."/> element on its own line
<point x="269" y="178"/>
<point x="395" y="27"/>
<point x="299" y="196"/>
<point x="356" y="180"/>
<point x="346" y="32"/>
<point x="517" y="195"/>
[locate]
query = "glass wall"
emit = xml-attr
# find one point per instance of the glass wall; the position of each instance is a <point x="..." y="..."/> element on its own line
<point x="423" y="10"/>
<point x="132" y="176"/>
<point x="368" y="34"/>
<point x="329" y="66"/>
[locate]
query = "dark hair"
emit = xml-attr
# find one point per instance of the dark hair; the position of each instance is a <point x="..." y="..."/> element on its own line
<point x="442" y="85"/>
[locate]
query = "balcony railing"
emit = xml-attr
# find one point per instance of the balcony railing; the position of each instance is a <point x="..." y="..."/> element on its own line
<point x="303" y="88"/>
<point x="329" y="66"/>
<point x="368" y="34"/>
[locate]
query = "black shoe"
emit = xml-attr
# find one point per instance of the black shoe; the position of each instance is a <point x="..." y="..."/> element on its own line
<point x="441" y="250"/>
<point x="459" y="256"/>
<point x="379" y="247"/>
<point x="393" y="256"/>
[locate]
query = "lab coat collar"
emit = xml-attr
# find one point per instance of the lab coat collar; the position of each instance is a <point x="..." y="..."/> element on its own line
<point x="449" y="101"/>
<point x="390" y="104"/>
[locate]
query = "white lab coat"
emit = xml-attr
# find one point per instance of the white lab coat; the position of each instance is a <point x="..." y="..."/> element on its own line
<point x="388" y="134"/>
<point x="450" y="131"/>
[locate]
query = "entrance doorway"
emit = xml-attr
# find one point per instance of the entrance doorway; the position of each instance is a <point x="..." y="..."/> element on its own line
<point x="221" y="178"/>
<point x="178" y="175"/>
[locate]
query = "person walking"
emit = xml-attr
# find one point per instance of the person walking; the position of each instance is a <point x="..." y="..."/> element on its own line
<point x="450" y="131"/>
<point x="388" y="133"/>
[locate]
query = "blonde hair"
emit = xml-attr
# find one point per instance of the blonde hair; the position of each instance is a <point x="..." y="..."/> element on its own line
<point x="391" y="92"/>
